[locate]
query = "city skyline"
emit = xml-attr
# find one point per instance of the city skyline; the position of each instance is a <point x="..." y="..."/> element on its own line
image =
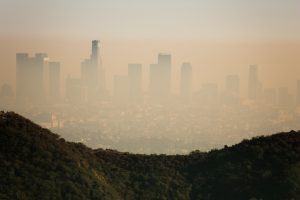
<point x="39" y="80"/>
<point x="141" y="105"/>
<point x="218" y="38"/>
<point x="208" y="67"/>
<point x="132" y="75"/>
<point x="150" y="99"/>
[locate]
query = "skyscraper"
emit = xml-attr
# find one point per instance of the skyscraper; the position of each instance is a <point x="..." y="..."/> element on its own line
<point x="233" y="84"/>
<point x="232" y="90"/>
<point x="95" y="53"/>
<point x="54" y="82"/>
<point x="253" y="83"/>
<point x="30" y="78"/>
<point x="209" y="95"/>
<point x="186" y="81"/>
<point x="6" y="91"/>
<point x="75" y="91"/>
<point x="121" y="89"/>
<point x="85" y="70"/>
<point x="154" y="80"/>
<point x="284" y="98"/>
<point x="92" y="73"/>
<point x="160" y="79"/>
<point x="298" y="92"/>
<point x="270" y="96"/>
<point x="164" y="63"/>
<point x="6" y="97"/>
<point x="135" y="82"/>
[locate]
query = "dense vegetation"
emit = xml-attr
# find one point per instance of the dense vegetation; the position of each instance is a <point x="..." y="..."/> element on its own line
<point x="37" y="164"/>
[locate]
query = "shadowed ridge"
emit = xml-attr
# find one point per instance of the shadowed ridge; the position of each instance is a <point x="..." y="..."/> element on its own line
<point x="37" y="164"/>
<point x="265" y="167"/>
<point x="16" y="121"/>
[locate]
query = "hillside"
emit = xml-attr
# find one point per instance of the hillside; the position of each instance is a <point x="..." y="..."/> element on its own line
<point x="37" y="164"/>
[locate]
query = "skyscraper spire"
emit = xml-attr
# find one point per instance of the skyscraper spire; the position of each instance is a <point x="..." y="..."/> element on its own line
<point x="95" y="52"/>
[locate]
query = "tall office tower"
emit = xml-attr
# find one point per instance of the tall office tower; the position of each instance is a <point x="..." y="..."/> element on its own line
<point x="153" y="80"/>
<point x="54" y="82"/>
<point x="186" y="81"/>
<point x="209" y="95"/>
<point x="135" y="82"/>
<point x="298" y="92"/>
<point x="75" y="91"/>
<point x="121" y="89"/>
<point x="164" y="63"/>
<point x="95" y="52"/>
<point x="284" y="98"/>
<point x="30" y="79"/>
<point x="233" y="84"/>
<point x="160" y="79"/>
<point x="6" y="91"/>
<point x="253" y="83"/>
<point x="92" y="72"/>
<point x="101" y="82"/>
<point x="6" y="97"/>
<point x="86" y="71"/>
<point x="270" y="96"/>
<point x="232" y="91"/>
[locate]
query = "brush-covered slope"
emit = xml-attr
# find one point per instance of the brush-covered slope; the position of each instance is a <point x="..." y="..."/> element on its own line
<point x="37" y="164"/>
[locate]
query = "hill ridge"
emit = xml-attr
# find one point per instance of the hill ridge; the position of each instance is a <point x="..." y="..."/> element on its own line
<point x="38" y="164"/>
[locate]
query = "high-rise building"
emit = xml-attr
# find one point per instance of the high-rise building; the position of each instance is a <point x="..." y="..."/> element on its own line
<point x="160" y="79"/>
<point x="30" y="78"/>
<point x="6" y="91"/>
<point x="54" y="82"/>
<point x="93" y="73"/>
<point x="298" y="92"/>
<point x="85" y="71"/>
<point x="154" y="80"/>
<point x="253" y="84"/>
<point x="284" y="98"/>
<point x="270" y="96"/>
<point x="75" y="91"/>
<point x="208" y="95"/>
<point x="95" y="53"/>
<point x="135" y="82"/>
<point x="164" y="63"/>
<point x="186" y="81"/>
<point x="121" y="89"/>
<point x="232" y="90"/>
<point x="233" y="84"/>
<point x="6" y="97"/>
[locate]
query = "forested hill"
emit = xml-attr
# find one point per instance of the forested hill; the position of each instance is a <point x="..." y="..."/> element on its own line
<point x="37" y="164"/>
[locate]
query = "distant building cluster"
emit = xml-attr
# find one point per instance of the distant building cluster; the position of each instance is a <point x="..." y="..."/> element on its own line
<point x="147" y="118"/>
<point x="31" y="75"/>
<point x="38" y="82"/>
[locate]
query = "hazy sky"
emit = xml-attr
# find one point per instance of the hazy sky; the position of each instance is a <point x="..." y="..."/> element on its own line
<point x="193" y="19"/>
<point x="217" y="36"/>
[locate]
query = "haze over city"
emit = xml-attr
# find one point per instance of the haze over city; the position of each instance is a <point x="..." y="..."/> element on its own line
<point x="152" y="76"/>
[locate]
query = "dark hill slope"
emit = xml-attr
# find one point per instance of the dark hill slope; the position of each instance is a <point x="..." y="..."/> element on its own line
<point x="264" y="167"/>
<point x="37" y="164"/>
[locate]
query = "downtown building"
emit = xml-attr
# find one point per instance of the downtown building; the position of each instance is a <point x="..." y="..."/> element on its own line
<point x="160" y="79"/>
<point x="186" y="82"/>
<point x="30" y="84"/>
<point x="37" y="80"/>
<point x="93" y="74"/>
